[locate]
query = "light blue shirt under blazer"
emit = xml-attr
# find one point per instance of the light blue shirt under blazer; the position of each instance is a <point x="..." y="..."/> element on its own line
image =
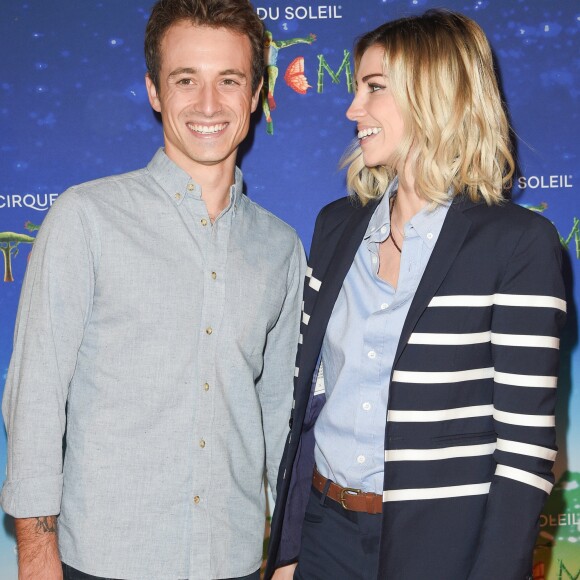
<point x="359" y="349"/>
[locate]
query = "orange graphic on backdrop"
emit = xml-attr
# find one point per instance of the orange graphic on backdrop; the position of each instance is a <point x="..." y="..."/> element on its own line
<point x="295" y="77"/>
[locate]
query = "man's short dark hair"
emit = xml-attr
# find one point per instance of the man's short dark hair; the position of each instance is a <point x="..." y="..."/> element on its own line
<point x="237" y="16"/>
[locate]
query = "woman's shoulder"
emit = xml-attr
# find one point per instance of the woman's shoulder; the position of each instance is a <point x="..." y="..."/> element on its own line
<point x="509" y="214"/>
<point x="340" y="210"/>
<point x="331" y="223"/>
<point x="512" y="225"/>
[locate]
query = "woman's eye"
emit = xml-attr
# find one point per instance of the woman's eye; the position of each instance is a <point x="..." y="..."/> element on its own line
<point x="373" y="88"/>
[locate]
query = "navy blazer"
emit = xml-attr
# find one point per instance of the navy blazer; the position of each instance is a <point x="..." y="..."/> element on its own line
<point x="470" y="435"/>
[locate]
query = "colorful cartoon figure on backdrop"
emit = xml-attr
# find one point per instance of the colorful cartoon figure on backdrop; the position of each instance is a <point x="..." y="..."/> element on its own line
<point x="294" y="75"/>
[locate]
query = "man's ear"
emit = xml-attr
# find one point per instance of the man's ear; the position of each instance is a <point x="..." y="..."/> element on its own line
<point x="153" y="94"/>
<point x="256" y="96"/>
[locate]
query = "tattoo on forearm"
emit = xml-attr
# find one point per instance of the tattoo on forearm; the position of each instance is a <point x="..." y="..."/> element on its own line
<point x="46" y="525"/>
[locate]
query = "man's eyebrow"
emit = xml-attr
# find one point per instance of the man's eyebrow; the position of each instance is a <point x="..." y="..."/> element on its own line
<point x="367" y="77"/>
<point x="234" y="72"/>
<point x="192" y="71"/>
<point x="182" y="71"/>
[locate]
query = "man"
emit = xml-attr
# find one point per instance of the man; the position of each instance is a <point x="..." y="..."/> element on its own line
<point x="157" y="325"/>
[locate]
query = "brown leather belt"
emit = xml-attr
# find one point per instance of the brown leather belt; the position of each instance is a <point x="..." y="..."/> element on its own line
<point x="349" y="498"/>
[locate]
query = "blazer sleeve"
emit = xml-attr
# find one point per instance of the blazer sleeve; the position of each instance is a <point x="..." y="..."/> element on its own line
<point x="528" y="314"/>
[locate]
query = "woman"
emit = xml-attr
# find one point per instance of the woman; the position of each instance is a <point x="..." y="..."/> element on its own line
<point x="422" y="436"/>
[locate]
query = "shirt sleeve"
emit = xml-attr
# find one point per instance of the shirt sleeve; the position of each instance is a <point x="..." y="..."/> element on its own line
<point x="528" y="314"/>
<point x="54" y="307"/>
<point x="276" y="383"/>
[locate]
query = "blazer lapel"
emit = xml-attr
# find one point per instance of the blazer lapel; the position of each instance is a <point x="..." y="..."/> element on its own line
<point x="338" y="267"/>
<point x="451" y="238"/>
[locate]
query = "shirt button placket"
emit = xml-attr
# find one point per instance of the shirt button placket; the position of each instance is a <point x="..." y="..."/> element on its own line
<point x="213" y="335"/>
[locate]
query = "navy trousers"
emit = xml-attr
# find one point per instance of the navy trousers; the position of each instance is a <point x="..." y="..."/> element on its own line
<point x="73" y="574"/>
<point x="338" y="544"/>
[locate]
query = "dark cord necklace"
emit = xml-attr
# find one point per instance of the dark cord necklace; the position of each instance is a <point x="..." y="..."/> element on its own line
<point x="391" y="205"/>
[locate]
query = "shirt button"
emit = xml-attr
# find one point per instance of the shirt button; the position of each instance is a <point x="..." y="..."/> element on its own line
<point x="190" y="187"/>
<point x="384" y="306"/>
<point x="429" y="236"/>
<point x="374" y="259"/>
<point x="384" y="230"/>
<point x="202" y="443"/>
<point x="203" y="222"/>
<point x="361" y="459"/>
<point x="372" y="354"/>
<point x="177" y="195"/>
<point x="196" y="499"/>
<point x="214" y="275"/>
<point x="366" y="406"/>
<point x="205" y="387"/>
<point x="208" y="330"/>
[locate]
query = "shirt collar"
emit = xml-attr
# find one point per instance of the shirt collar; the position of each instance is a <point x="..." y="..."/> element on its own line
<point x="381" y="217"/>
<point x="427" y="223"/>
<point x="177" y="184"/>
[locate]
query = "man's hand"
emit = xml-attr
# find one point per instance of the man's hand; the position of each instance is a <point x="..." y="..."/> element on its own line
<point x="285" y="573"/>
<point x="38" y="557"/>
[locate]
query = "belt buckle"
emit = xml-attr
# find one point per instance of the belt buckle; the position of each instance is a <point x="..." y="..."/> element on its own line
<point x="347" y="491"/>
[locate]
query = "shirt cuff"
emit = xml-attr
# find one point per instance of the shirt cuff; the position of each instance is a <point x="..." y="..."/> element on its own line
<point x="32" y="497"/>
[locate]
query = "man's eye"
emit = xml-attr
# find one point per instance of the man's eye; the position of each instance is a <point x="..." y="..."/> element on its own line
<point x="230" y="82"/>
<point x="184" y="82"/>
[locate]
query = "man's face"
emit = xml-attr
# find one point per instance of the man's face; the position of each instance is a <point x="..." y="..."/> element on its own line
<point x="205" y="96"/>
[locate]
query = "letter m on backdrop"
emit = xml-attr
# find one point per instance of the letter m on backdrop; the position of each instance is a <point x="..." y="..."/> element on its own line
<point x="564" y="573"/>
<point x="335" y="75"/>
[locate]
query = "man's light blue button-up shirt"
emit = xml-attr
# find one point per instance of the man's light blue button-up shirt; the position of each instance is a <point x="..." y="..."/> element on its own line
<point x="172" y="342"/>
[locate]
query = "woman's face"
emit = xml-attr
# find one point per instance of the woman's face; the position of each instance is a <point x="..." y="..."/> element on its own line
<point x="373" y="109"/>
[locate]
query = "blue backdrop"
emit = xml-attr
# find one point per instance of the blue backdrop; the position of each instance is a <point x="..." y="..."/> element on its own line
<point x="73" y="107"/>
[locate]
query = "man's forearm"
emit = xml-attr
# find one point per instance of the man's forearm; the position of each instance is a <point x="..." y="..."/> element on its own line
<point x="38" y="555"/>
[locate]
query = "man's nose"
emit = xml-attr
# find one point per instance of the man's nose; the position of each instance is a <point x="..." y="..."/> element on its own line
<point x="208" y="101"/>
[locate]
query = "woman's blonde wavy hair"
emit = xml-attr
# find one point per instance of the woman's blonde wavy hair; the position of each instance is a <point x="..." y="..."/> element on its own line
<point x="441" y="73"/>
